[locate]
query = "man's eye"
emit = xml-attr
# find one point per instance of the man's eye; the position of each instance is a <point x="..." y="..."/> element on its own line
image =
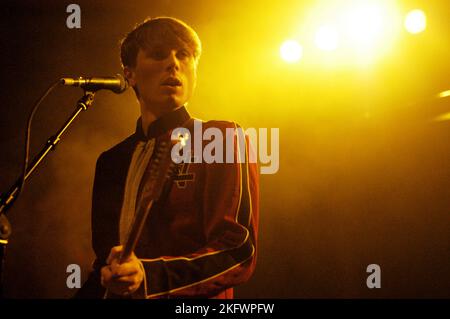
<point x="183" y="54"/>
<point x="158" y="54"/>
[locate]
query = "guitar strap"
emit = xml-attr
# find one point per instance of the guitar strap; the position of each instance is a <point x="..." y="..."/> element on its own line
<point x="142" y="191"/>
<point x="166" y="137"/>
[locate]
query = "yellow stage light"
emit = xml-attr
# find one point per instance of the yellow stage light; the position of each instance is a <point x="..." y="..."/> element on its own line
<point x="291" y="51"/>
<point x="444" y="94"/>
<point x="327" y="38"/>
<point x="415" y="21"/>
<point x="364" y="25"/>
<point x="443" y="117"/>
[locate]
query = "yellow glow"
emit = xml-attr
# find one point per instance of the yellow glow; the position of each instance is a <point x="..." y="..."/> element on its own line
<point x="364" y="25"/>
<point x="361" y="30"/>
<point x="327" y="38"/>
<point x="415" y="21"/>
<point x="443" y="117"/>
<point x="291" y="51"/>
<point x="444" y="94"/>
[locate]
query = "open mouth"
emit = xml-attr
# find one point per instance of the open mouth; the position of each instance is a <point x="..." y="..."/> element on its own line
<point x="171" y="82"/>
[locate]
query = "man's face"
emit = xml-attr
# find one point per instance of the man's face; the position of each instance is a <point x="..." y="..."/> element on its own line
<point x="165" y="76"/>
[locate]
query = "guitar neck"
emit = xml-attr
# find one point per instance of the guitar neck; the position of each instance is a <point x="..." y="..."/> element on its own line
<point x="135" y="232"/>
<point x="157" y="174"/>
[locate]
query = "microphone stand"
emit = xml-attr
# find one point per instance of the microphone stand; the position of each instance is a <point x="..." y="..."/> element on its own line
<point x="7" y="199"/>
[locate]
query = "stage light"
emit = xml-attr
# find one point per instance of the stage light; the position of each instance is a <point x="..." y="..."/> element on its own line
<point x="442" y="117"/>
<point x="291" y="51"/>
<point x="444" y="94"/>
<point x="415" y="21"/>
<point x="364" y="25"/>
<point x="327" y="38"/>
<point x="358" y="32"/>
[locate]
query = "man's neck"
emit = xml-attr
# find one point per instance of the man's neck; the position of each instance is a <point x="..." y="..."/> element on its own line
<point x="147" y="118"/>
<point x="149" y="115"/>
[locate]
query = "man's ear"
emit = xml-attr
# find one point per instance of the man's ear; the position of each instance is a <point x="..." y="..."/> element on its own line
<point x="129" y="75"/>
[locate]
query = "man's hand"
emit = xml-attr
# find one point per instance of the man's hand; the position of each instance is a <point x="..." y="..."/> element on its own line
<point x="122" y="279"/>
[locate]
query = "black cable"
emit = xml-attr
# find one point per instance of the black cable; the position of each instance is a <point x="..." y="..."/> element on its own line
<point x="28" y="134"/>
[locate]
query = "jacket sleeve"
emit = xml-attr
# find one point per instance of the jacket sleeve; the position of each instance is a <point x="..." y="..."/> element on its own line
<point x="230" y="221"/>
<point x="91" y="287"/>
<point x="103" y="203"/>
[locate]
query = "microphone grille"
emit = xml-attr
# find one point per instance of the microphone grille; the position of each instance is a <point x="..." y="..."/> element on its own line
<point x="123" y="84"/>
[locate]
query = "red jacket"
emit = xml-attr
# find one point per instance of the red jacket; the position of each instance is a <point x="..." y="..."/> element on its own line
<point x="200" y="241"/>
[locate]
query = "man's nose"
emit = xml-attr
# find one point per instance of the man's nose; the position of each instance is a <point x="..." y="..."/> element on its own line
<point x="172" y="61"/>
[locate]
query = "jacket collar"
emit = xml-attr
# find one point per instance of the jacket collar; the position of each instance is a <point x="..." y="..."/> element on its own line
<point x="163" y="124"/>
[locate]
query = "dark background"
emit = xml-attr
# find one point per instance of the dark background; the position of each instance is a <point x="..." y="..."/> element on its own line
<point x="364" y="172"/>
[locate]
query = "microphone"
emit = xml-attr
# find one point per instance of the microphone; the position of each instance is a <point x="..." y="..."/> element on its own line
<point x="117" y="83"/>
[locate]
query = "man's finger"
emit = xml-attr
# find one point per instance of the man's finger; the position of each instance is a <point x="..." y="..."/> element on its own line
<point x="125" y="269"/>
<point x="114" y="254"/>
<point x="130" y="280"/>
<point x="106" y="275"/>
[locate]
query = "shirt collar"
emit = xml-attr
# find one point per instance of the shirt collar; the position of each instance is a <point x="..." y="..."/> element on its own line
<point x="163" y="124"/>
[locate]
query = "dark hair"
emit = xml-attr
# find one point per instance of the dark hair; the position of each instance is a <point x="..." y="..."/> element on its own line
<point x="156" y="30"/>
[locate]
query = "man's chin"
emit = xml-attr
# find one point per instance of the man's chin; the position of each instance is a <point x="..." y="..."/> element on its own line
<point x="173" y="103"/>
<point x="167" y="104"/>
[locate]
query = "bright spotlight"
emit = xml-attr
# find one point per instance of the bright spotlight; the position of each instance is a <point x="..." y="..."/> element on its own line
<point x="364" y="25"/>
<point x="360" y="31"/>
<point x="291" y="51"/>
<point x="415" y="21"/>
<point x="327" y="38"/>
